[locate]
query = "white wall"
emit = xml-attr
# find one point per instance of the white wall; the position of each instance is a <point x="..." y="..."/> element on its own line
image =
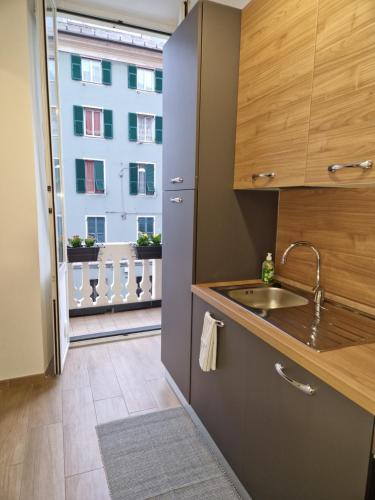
<point x="25" y="317"/>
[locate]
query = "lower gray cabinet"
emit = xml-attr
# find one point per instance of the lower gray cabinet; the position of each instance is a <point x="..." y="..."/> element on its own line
<point x="301" y="446"/>
<point x="282" y="443"/>
<point x="218" y="397"/>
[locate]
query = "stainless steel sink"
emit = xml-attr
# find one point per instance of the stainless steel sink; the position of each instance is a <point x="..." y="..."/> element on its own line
<point x="266" y="298"/>
<point x="294" y="312"/>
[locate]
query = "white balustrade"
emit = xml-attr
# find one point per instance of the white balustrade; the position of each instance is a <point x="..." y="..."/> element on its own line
<point x="112" y="279"/>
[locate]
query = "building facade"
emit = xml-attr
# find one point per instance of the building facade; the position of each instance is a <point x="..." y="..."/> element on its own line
<point x="112" y="134"/>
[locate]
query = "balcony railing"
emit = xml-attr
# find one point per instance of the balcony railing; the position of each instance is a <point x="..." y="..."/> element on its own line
<point x="116" y="278"/>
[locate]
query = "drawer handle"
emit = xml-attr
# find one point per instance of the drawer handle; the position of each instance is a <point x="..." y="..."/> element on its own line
<point x="177" y="180"/>
<point x="178" y="199"/>
<point x="364" y="165"/>
<point x="305" y="388"/>
<point x="270" y="175"/>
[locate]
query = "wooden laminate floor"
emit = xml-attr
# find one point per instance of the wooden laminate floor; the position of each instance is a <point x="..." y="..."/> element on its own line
<point x="108" y="322"/>
<point x="48" y="444"/>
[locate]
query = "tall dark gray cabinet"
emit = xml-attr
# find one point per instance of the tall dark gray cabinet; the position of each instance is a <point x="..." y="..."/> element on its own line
<point x="210" y="232"/>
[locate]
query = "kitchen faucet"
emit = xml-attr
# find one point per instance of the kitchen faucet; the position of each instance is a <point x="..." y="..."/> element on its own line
<point x="318" y="290"/>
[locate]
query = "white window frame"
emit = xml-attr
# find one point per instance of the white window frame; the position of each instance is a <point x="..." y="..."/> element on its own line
<point x="51" y="62"/>
<point x="105" y="180"/>
<point x="105" y="225"/>
<point x="91" y="59"/>
<point x="150" y="70"/>
<point x="151" y="115"/>
<point x="144" y="216"/>
<point x="145" y="195"/>
<point x="96" y="108"/>
<point x="56" y="121"/>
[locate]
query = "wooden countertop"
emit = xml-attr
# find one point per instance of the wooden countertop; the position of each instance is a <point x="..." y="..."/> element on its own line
<point x="349" y="370"/>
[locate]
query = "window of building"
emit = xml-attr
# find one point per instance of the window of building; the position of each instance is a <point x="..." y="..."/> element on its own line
<point x="145" y="225"/>
<point x="93" y="122"/>
<point x="145" y="128"/>
<point x="142" y="179"/>
<point x="91" y="70"/>
<point x="95" y="226"/>
<point x="145" y="79"/>
<point x="90" y="176"/>
<point x="150" y="80"/>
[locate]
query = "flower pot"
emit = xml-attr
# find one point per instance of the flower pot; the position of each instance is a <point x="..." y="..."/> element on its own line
<point x="148" y="252"/>
<point x="83" y="254"/>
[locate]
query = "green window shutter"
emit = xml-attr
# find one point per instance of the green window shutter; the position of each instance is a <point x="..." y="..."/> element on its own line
<point x="76" y="67"/>
<point x="80" y="176"/>
<point x="150" y="179"/>
<point x="78" y="120"/>
<point x="132" y="121"/>
<point x="158" y="129"/>
<point x="132" y="77"/>
<point x="106" y="72"/>
<point x="108" y="123"/>
<point x="158" y="81"/>
<point x="133" y="178"/>
<point x="99" y="176"/>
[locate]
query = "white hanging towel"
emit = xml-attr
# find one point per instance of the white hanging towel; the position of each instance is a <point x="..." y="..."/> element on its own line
<point x="207" y="354"/>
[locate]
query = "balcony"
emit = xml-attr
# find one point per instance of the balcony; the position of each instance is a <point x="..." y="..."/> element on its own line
<point x="115" y="283"/>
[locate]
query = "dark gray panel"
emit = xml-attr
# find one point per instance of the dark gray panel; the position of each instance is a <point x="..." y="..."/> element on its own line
<point x="299" y="446"/>
<point x="218" y="397"/>
<point x="234" y="229"/>
<point x="178" y="243"/>
<point x="181" y="59"/>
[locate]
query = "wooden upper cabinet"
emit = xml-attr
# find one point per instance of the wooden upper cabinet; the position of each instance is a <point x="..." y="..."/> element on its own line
<point x="275" y="80"/>
<point x="342" y="124"/>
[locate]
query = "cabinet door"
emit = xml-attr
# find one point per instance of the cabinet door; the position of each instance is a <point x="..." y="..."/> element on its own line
<point x="180" y="103"/>
<point x="178" y="245"/>
<point x="300" y="446"/>
<point x="218" y="396"/>
<point x="275" y="79"/>
<point x="342" y="127"/>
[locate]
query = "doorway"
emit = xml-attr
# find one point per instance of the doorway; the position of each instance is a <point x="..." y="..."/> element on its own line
<point x="107" y="119"/>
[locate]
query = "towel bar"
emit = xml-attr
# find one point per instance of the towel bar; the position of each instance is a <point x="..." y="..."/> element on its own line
<point x="219" y="323"/>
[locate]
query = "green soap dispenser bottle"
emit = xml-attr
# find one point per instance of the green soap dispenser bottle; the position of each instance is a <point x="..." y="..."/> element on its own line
<point x="268" y="269"/>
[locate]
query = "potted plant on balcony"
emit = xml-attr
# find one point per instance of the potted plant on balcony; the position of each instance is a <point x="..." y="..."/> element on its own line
<point x="148" y="247"/>
<point x="79" y="253"/>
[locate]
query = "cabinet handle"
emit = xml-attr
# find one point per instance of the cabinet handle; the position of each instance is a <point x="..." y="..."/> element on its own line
<point x="177" y="180"/>
<point x="270" y="175"/>
<point x="364" y="165"/>
<point x="305" y="388"/>
<point x="178" y="199"/>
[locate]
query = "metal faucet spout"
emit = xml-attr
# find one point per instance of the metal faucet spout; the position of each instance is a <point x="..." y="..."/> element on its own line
<point x="318" y="291"/>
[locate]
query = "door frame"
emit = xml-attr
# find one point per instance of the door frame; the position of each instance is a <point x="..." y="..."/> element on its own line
<point x="56" y="267"/>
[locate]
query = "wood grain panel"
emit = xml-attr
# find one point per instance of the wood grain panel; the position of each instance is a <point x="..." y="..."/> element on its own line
<point x="10" y="481"/>
<point x="43" y="469"/>
<point x="275" y="80"/>
<point x="81" y="448"/>
<point x="88" y="486"/>
<point x="102" y="376"/>
<point x="110" y="409"/>
<point x="342" y="124"/>
<point x="341" y="223"/>
<point x="45" y="403"/>
<point x="14" y="420"/>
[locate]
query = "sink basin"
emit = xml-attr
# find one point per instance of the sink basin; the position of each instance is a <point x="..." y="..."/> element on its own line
<point x="269" y="297"/>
